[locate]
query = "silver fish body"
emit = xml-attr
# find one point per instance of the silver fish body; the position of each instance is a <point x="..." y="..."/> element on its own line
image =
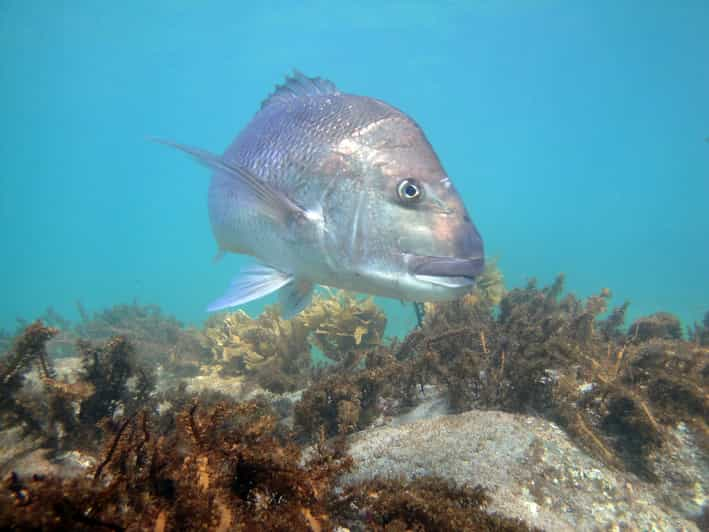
<point x="330" y="188"/>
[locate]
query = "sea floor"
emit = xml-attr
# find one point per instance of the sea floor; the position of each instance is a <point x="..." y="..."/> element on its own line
<point x="503" y="411"/>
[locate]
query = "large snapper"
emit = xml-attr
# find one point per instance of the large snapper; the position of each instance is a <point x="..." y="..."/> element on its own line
<point x="323" y="187"/>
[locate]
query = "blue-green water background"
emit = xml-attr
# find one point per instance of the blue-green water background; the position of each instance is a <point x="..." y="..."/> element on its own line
<point x="574" y="130"/>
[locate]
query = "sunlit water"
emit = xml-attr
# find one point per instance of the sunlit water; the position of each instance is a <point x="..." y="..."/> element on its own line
<point x="576" y="132"/>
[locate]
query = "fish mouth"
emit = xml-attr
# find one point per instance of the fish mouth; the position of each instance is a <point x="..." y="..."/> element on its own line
<point x="446" y="271"/>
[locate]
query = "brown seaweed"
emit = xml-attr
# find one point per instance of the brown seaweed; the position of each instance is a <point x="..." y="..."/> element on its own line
<point x="618" y="394"/>
<point x="344" y="402"/>
<point x="65" y="414"/>
<point x="28" y="349"/>
<point x="222" y="467"/>
<point x="228" y="466"/>
<point x="425" y="503"/>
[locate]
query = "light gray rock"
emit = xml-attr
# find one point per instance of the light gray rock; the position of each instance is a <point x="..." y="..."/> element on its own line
<point x="531" y="468"/>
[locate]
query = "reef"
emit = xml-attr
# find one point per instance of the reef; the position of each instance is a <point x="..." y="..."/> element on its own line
<point x="617" y="393"/>
<point x="154" y="336"/>
<point x="227" y="466"/>
<point x="272" y="452"/>
<point x="533" y="350"/>
<point x="64" y="413"/>
<point x="223" y="467"/>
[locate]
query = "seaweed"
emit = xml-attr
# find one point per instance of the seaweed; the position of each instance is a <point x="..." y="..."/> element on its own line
<point x="65" y="414"/>
<point x="179" y="460"/>
<point x="28" y="349"/>
<point x="699" y="334"/>
<point x="424" y="503"/>
<point x="133" y="321"/>
<point x="154" y="335"/>
<point x="229" y="466"/>
<point x="222" y="467"/>
<point x="5" y="341"/>
<point x="542" y="352"/>
<point x="54" y="319"/>
<point x="277" y="351"/>
<point x="659" y="325"/>
<point x="118" y="380"/>
<point x="342" y="403"/>
<point x="342" y="325"/>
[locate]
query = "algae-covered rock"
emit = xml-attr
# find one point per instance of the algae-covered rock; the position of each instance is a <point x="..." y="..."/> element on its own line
<point x="532" y="470"/>
<point x="618" y="395"/>
<point x="156" y="336"/>
<point x="662" y="325"/>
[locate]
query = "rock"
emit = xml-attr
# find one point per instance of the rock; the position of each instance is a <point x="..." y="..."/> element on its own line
<point x="15" y="443"/>
<point x="533" y="471"/>
<point x="25" y="455"/>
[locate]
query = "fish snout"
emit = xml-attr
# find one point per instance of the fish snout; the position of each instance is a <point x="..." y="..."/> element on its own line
<point x="467" y="259"/>
<point x="468" y="268"/>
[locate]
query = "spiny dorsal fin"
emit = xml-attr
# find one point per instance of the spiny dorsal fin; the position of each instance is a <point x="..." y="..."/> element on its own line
<point x="298" y="84"/>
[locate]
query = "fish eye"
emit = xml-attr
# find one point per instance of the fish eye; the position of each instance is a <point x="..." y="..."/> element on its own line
<point x="409" y="190"/>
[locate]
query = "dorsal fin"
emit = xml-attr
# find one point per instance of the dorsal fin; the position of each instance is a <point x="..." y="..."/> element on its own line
<point x="298" y="84"/>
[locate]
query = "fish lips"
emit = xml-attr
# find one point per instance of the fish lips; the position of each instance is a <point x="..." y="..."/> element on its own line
<point x="447" y="270"/>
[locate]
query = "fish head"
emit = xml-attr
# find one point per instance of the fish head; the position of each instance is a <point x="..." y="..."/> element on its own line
<point x="440" y="247"/>
<point x="427" y="246"/>
<point x="437" y="246"/>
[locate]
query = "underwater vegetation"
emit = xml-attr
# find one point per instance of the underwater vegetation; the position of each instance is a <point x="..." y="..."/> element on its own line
<point x="215" y="464"/>
<point x="616" y="391"/>
<point x="153" y="335"/>
<point x="278" y="352"/>
<point x="347" y="397"/>
<point x="267" y="345"/>
<point x="700" y="333"/>
<point x="426" y="503"/>
<point x="344" y="401"/>
<point x="26" y="351"/>
<point x="165" y="458"/>
<point x="65" y="414"/>
<point x="222" y="468"/>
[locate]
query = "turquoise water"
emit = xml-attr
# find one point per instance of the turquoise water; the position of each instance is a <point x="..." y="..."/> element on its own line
<point x="576" y="132"/>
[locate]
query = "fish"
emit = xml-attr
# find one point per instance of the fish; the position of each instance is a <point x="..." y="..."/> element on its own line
<point x="324" y="187"/>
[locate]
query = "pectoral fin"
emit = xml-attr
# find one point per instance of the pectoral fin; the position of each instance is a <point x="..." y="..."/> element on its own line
<point x="294" y="297"/>
<point x="253" y="283"/>
<point x="269" y="200"/>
